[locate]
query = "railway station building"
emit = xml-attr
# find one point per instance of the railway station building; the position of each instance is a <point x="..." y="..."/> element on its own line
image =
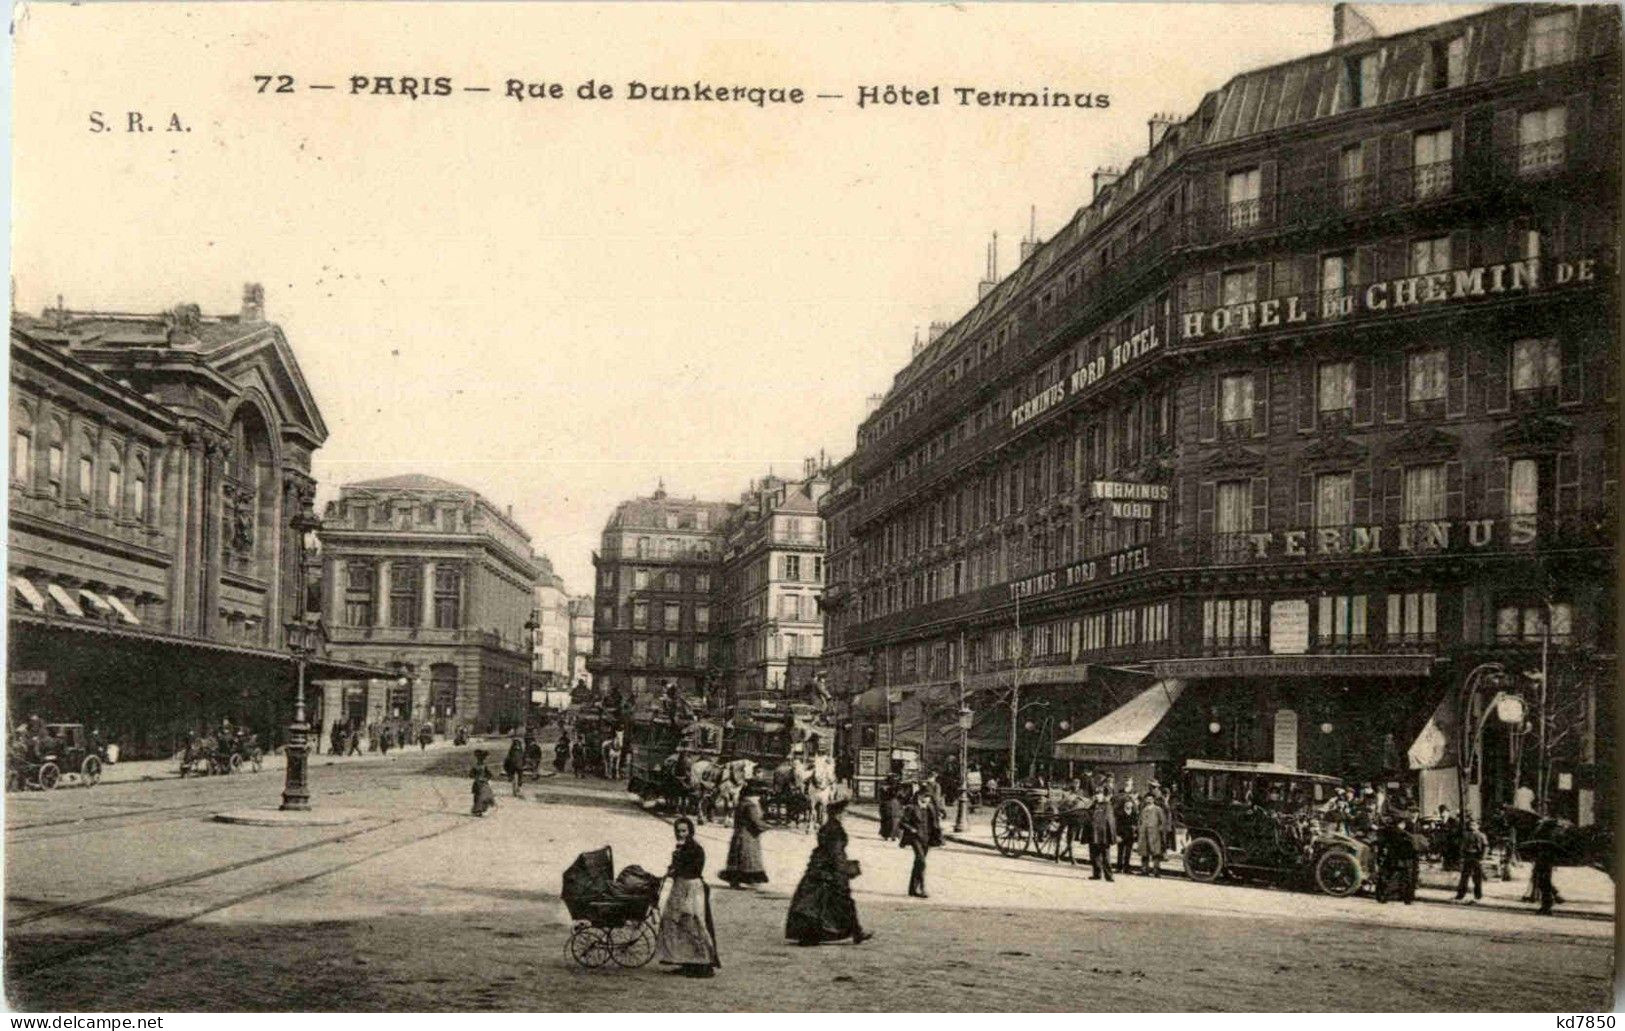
<point x="1303" y="420"/>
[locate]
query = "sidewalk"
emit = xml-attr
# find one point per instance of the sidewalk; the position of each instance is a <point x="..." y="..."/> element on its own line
<point x="1584" y="890"/>
<point x="138" y="770"/>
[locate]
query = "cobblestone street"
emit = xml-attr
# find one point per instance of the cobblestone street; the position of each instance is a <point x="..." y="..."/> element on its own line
<point x="127" y="896"/>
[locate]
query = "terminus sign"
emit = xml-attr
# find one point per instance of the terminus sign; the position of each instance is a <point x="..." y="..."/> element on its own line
<point x="1086" y="375"/>
<point x="1398" y="538"/>
<point x="1084" y="572"/>
<point x="1390" y="295"/>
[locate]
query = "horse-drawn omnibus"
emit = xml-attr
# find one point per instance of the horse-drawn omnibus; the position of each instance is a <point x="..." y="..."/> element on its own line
<point x="653" y="742"/>
<point x="774" y="736"/>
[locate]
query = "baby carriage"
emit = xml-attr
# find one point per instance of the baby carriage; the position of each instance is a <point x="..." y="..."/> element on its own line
<point x="615" y="917"/>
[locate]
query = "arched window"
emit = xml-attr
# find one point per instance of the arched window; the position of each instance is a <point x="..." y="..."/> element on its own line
<point x="56" y="456"/>
<point x="138" y="490"/>
<point x="85" y="482"/>
<point x="22" y="449"/>
<point x="115" y="480"/>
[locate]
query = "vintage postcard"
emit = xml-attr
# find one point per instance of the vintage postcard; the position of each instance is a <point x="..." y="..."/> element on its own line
<point x="882" y="507"/>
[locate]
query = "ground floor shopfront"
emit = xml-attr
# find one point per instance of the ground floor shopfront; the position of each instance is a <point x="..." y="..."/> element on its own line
<point x="147" y="690"/>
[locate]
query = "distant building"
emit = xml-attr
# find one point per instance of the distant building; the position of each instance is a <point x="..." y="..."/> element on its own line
<point x="428" y="579"/>
<point x="551" y="643"/>
<point x="772" y="583"/>
<point x="157" y="461"/>
<point x="580" y="639"/>
<point x="657" y="568"/>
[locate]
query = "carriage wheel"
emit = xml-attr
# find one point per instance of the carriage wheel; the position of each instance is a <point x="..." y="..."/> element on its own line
<point x="1012" y="827"/>
<point x="258" y="759"/>
<point x="91" y="769"/>
<point x="1338" y="873"/>
<point x="632" y="945"/>
<point x="588" y="946"/>
<point x="1204" y="860"/>
<point x="234" y="764"/>
<point x="1048" y="833"/>
<point x="49" y="775"/>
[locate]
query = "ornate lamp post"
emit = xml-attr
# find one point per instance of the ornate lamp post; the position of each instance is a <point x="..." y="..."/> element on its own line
<point x="1506" y="706"/>
<point x="303" y="640"/>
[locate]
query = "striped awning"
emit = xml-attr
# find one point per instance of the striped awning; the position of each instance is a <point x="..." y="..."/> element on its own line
<point x="60" y="595"/>
<point x="123" y="610"/>
<point x="96" y="601"/>
<point x="29" y="593"/>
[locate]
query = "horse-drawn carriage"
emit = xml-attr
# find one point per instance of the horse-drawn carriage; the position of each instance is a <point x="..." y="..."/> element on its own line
<point x="1028" y="820"/>
<point x="661" y="753"/>
<point x="788" y="748"/>
<point x="223" y="753"/>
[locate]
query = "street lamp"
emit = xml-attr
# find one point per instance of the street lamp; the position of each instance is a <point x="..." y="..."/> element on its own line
<point x="1504" y="705"/>
<point x="303" y="639"/>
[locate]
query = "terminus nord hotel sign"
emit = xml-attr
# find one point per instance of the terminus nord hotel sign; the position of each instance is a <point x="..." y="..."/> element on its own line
<point x="1391" y="295"/>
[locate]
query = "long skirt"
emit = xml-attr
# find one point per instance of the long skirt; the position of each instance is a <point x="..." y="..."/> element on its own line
<point x="888" y="819"/>
<point x="822" y="909"/>
<point x="484" y="797"/>
<point x="687" y="936"/>
<point x="744" y="859"/>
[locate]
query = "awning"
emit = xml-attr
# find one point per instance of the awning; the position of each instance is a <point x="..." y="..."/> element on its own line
<point x="96" y="600"/>
<point x="29" y="592"/>
<point x="123" y="610"/>
<point x="1120" y="735"/>
<point x="1435" y="746"/>
<point x="60" y="595"/>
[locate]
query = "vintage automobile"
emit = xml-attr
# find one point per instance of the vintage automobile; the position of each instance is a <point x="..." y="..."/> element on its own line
<point x="1260" y="821"/>
<point x="66" y="751"/>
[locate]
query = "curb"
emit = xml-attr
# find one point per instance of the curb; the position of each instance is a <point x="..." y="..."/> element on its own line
<point x="289" y="817"/>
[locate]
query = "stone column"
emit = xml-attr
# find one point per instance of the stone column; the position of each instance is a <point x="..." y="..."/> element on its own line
<point x="380" y="609"/>
<point x="333" y="573"/>
<point x="427" y="581"/>
<point x="213" y="507"/>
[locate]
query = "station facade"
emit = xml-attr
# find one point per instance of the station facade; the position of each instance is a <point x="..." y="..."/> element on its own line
<point x="1307" y="416"/>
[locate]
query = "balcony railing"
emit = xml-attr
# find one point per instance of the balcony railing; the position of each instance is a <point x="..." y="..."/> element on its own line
<point x="1541" y="157"/>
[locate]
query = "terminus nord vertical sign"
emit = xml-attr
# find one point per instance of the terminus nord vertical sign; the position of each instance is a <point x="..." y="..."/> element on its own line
<point x="1390" y="295"/>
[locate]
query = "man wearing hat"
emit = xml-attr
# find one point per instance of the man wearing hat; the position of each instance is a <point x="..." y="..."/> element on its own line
<point x="1102" y="835"/>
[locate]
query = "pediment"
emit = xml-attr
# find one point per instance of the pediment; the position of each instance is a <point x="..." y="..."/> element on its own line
<point x="1537" y="433"/>
<point x="1428" y="441"/>
<point x="1233" y="456"/>
<point x="1333" y="448"/>
<point x="264" y="362"/>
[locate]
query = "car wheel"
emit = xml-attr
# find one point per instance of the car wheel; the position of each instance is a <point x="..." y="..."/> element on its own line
<point x="1204" y="860"/>
<point x="235" y="764"/>
<point x="91" y="769"/>
<point x="49" y="775"/>
<point x="1338" y="873"/>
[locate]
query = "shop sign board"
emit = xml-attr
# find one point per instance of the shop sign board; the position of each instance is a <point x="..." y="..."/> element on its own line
<point x="28" y="678"/>
<point x="1289" y="627"/>
<point x="866" y="762"/>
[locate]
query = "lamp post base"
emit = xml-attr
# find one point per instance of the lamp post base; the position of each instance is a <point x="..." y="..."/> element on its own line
<point x="959" y="813"/>
<point x="295" y="791"/>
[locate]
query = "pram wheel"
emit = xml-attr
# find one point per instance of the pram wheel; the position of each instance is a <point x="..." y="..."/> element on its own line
<point x="632" y="945"/>
<point x="589" y="946"/>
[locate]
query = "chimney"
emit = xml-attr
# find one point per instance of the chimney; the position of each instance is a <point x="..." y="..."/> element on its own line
<point x="935" y="332"/>
<point x="991" y="279"/>
<point x="253" y="302"/>
<point x="1104" y="176"/>
<point x="1030" y="244"/>
<point x="873" y="404"/>
<point x="918" y="347"/>
<point x="1350" y="26"/>
<point x="1159" y="126"/>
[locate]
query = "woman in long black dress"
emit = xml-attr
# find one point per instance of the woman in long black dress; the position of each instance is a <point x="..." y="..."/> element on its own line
<point x="822" y="909"/>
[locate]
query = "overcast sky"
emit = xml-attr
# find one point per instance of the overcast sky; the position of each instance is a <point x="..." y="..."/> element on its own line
<point x="558" y="302"/>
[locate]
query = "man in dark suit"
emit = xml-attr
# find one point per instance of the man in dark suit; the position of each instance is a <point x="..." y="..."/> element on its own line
<point x="914" y="830"/>
<point x="1102" y="835"/>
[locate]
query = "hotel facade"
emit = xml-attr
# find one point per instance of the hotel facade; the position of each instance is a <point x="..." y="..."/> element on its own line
<point x="1309" y="415"/>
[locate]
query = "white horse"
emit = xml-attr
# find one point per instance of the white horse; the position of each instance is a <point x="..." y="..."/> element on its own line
<point x="735" y="775"/>
<point x="819" y="787"/>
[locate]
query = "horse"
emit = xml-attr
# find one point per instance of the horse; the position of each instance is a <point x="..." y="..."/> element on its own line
<point x="788" y="794"/>
<point x="731" y="781"/>
<point x="819" y="789"/>
<point x="1559" y="842"/>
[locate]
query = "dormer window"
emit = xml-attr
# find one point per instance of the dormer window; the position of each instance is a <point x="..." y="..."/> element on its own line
<point x="1360" y="79"/>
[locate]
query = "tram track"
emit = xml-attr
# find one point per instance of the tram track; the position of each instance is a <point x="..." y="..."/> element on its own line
<point x="61" y="956"/>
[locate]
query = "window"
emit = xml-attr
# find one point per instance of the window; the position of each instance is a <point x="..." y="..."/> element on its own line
<point x="787" y="606"/>
<point x="1232" y="623"/>
<point x="673" y="615"/>
<point x="1413" y="617"/>
<point x="606" y="578"/>
<point x="21" y="452"/>
<point x="1360" y="80"/>
<point x="1523" y="488"/>
<point x="702" y="618"/>
<point x="1529" y="623"/>
<point x="1537" y="368"/>
<point x="448" y="600"/>
<point x="1449" y="62"/>
<point x="54" y="458"/>
<point x="640" y="615"/>
<point x="640" y="684"/>
<point x="818" y="569"/>
<point x="640" y="650"/>
<point x="1241" y="195"/>
<point x="702" y="519"/>
<point x="1424" y="493"/>
<point x="1335" y="397"/>
<point x="1352" y="183"/>
<point x="1551" y="40"/>
<point x="87" y="477"/>
<point x="1342" y="619"/>
<point x="1239" y="287"/>
<point x="606" y="615"/>
<point x="1541" y="140"/>
<point x="138" y="495"/>
<point x="1334" y="273"/>
<point x="702" y="650"/>
<point x="1234" y="513"/>
<point x="1334" y="499"/>
<point x="671" y="653"/>
<point x="640" y="579"/>
<point x="702" y="582"/>
<point x="1426" y="375"/>
<point x="403" y="594"/>
<point x="358" y="585"/>
<point x="792" y="567"/>
<point x="671" y="581"/>
<point x="671" y="520"/>
<point x="1430" y="255"/>
<point x="1431" y="158"/>
<point x="643" y="548"/>
<point x="115" y="489"/>
<point x="1236" y="404"/>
